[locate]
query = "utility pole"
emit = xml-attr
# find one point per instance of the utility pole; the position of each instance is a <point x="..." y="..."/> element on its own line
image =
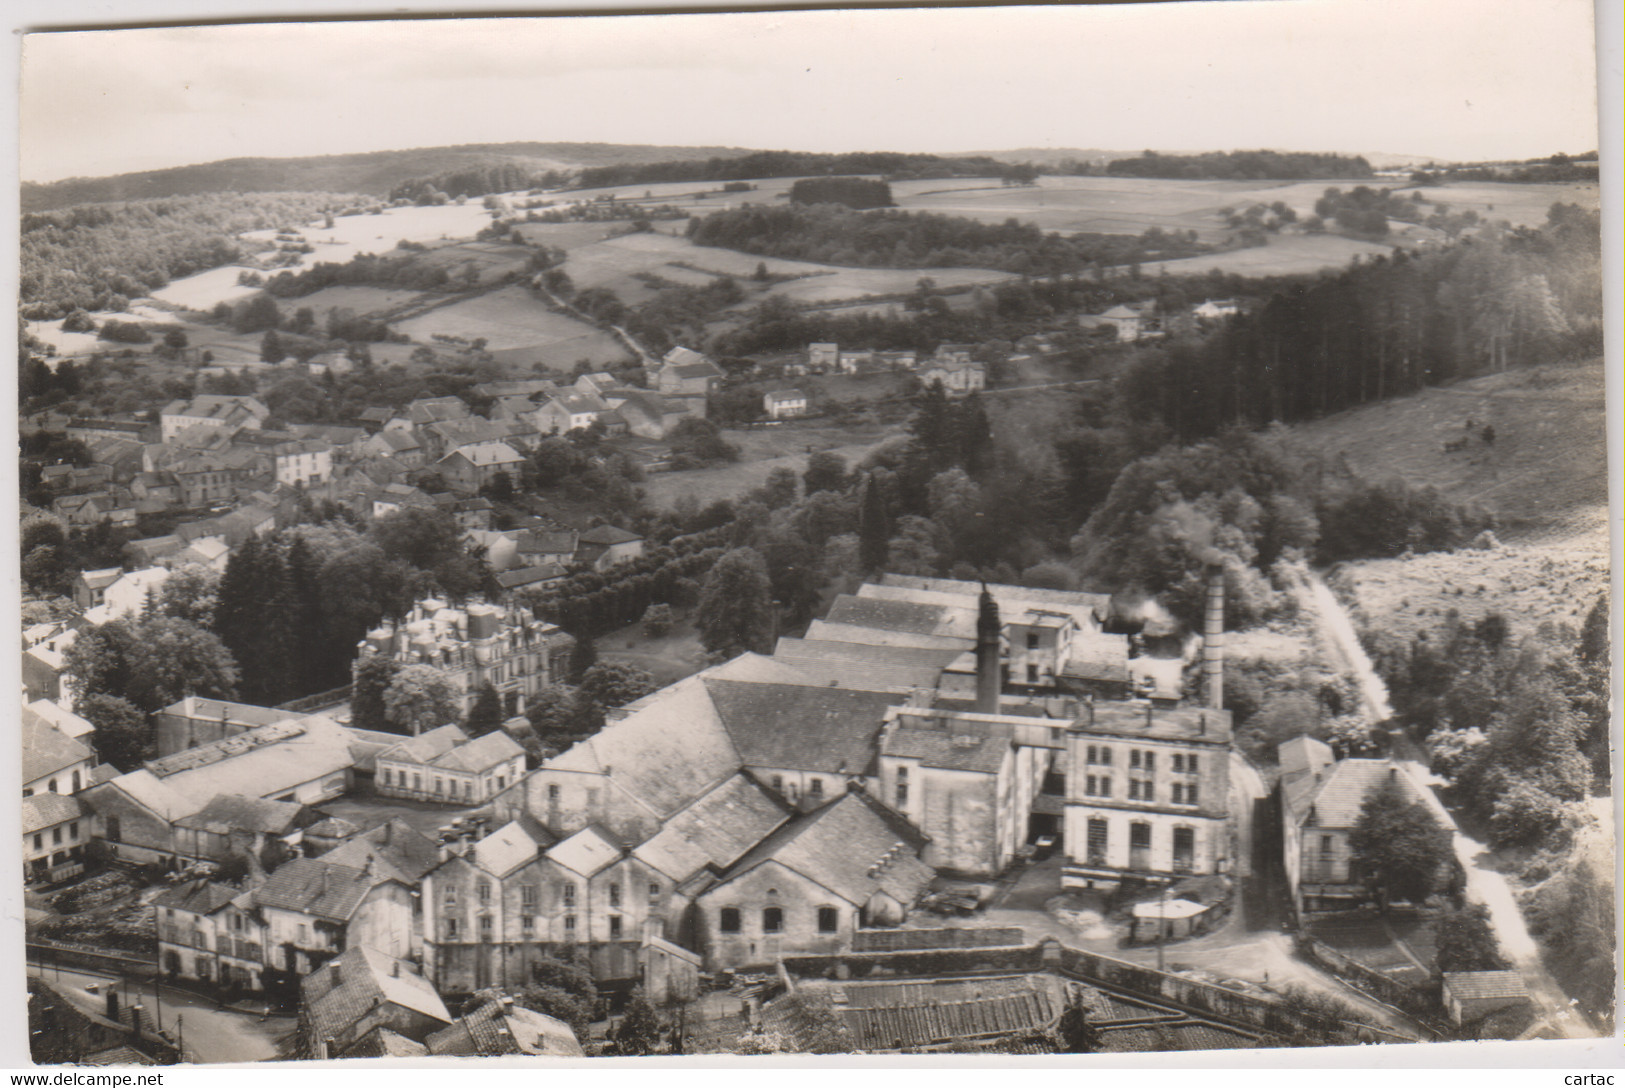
<point x="1162" y="926"/>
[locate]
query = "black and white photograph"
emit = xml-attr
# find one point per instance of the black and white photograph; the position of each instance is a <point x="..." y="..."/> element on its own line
<point x="966" y="531"/>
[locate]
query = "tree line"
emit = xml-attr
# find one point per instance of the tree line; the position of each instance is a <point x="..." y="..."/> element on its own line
<point x="859" y="193"/>
<point x="833" y="234"/>
<point x="1243" y="165"/>
<point x="789" y="164"/>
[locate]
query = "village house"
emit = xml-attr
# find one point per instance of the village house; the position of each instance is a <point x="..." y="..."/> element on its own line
<point x="402" y="446"/>
<point x="603" y="546"/>
<point x="56" y="829"/>
<point x="468" y="469"/>
<point x="684" y="372"/>
<point x="569" y="412"/>
<point x="66" y="721"/>
<point x="823" y="357"/>
<point x="345" y="442"/>
<point x="1216" y="309"/>
<point x="210" y="933"/>
<point x="1470" y="996"/>
<point x="228" y="414"/>
<point x="956" y="378"/>
<point x="784" y="403"/>
<point x="427" y="410"/>
<point x="315" y="909"/>
<point x="363" y="993"/>
<point x="445" y="766"/>
<point x="481" y="644"/>
<point x="53" y="762"/>
<point x="302" y="463"/>
<point x="45" y="669"/>
<point x="130" y="594"/>
<point x="236" y="826"/>
<point x="1321" y="798"/>
<point x="127" y="430"/>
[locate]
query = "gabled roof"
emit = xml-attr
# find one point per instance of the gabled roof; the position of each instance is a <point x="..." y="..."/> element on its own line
<point x="854" y="846"/>
<point x="229" y="812"/>
<point x="609" y="534"/>
<point x="1485" y="985"/>
<point x="538" y="542"/>
<point x="685" y="357"/>
<point x="714" y="831"/>
<point x="42" y="810"/>
<point x="101" y="579"/>
<point x="586" y="852"/>
<point x="483" y="454"/>
<point x="480" y="754"/>
<point x="491" y="1031"/>
<point x="337" y="995"/>
<point x="47" y="750"/>
<point x="1304" y="761"/>
<point x="148" y="791"/>
<point x="317" y="887"/>
<point x="396" y="848"/>
<point x="947" y="750"/>
<point x="1336" y="804"/>
<point x="197" y="897"/>
<point x="426" y="747"/>
<point x="831" y="730"/>
<point x="507" y="848"/>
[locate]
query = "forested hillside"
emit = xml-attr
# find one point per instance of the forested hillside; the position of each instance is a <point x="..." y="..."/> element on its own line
<point x="790" y="164"/>
<point x="373" y="172"/>
<point x="99" y="256"/>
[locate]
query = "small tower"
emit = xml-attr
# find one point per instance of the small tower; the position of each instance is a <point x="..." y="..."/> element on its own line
<point x="989" y="669"/>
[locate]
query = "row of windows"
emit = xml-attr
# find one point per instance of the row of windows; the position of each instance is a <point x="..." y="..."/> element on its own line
<point x="1139" y="789"/>
<point x="451" y="929"/>
<point x="1139" y="841"/>
<point x="56" y="836"/>
<point x="1141" y="760"/>
<point x="730" y="920"/>
<point x="530" y="894"/>
<point x="52" y="786"/>
<point x="441" y="786"/>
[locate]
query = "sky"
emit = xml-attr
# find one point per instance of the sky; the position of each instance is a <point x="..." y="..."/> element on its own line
<point x="1456" y="79"/>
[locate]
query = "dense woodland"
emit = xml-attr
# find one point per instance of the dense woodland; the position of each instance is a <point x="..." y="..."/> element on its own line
<point x="1243" y="165"/>
<point x="832" y="234"/>
<point x="99" y="256"/>
<point x="857" y="193"/>
<point x="790" y="164"/>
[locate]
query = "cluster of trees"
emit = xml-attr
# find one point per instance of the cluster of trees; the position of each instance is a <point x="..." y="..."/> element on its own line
<point x="1365" y="211"/>
<point x="1519" y="726"/>
<point x="1386" y="327"/>
<point x="1249" y="503"/>
<point x="1555" y="168"/>
<point x="832" y="234"/>
<point x="788" y="164"/>
<point x="1404" y="853"/>
<point x="1243" y="165"/>
<point x="366" y="269"/>
<point x="99" y="256"/>
<point x="291" y="608"/>
<point x="496" y="177"/>
<point x="565" y="713"/>
<point x="857" y="193"/>
<point x="53" y="555"/>
<point x="589" y="604"/>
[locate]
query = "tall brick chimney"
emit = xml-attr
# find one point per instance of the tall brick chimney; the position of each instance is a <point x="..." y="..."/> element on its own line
<point x="1213" y="638"/>
<point x="989" y="669"/>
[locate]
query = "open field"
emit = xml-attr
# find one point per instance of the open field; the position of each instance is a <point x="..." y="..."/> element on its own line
<point x="353" y="234"/>
<point x="1522" y="205"/>
<point x="615" y="264"/>
<point x="202" y="291"/>
<point x="761" y="450"/>
<point x="362" y="300"/>
<point x="490" y="260"/>
<point x="513" y="321"/>
<point x="1285" y="255"/>
<point x="1544" y="477"/>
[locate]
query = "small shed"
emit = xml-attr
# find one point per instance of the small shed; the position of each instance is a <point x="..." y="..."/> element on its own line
<point x="1167" y="919"/>
<point x="1473" y="995"/>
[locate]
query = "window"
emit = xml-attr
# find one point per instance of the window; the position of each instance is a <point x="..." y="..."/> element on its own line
<point x="437" y="784"/>
<point x="52" y="786"/>
<point x="1151" y="761"/>
<point x="1139" y="846"/>
<point x="28" y="793"/>
<point x="485" y="927"/>
<point x="1097" y="841"/>
<point x="1032" y="674"/>
<point x="1325" y="846"/>
<point x="1190" y="793"/>
<point x="614" y="927"/>
<point x="553" y="791"/>
<point x="570" y="925"/>
<point x="451" y="897"/>
<point x="654" y="889"/>
<point x="778" y="782"/>
<point x="1032" y="640"/>
<point x="502" y="783"/>
<point x="815" y="787"/>
<point x="1184" y="849"/>
<point x="1134" y="759"/>
<point x="75" y="787"/>
<point x="1179" y="763"/>
<point x="39" y="841"/>
<point x="1190" y="764"/>
<point x="614" y="895"/>
<point x="728" y="920"/>
<point x="417" y="783"/>
<point x="773" y="920"/>
<point x="527" y="922"/>
<point x="569" y="892"/>
<point x="385" y="776"/>
<point x="828" y="920"/>
<point x="902" y="787"/>
<point x="111" y="831"/>
<point x="483" y="890"/>
<point x="1106" y="757"/>
<point x="527" y="898"/>
<point x="468" y="790"/>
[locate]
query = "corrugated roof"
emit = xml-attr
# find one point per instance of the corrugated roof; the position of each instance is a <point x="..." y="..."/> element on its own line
<point x="832" y="730"/>
<point x="1483" y="985"/>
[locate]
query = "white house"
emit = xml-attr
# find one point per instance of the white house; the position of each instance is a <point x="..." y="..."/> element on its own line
<point x="784" y="403"/>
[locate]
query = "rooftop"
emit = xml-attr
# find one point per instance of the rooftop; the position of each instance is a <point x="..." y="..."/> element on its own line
<point x="317" y="887"/>
<point x="47" y="749"/>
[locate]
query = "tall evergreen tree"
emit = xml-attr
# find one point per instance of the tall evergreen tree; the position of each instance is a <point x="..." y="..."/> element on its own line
<point x="874" y="526"/>
<point x="372" y="678"/>
<point x="485" y="712"/>
<point x="735" y="613"/>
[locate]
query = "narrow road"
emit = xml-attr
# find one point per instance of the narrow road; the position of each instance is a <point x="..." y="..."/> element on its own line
<point x="1485" y="885"/>
<point x="208" y="1033"/>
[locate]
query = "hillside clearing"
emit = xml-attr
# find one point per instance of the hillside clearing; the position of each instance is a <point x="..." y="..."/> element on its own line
<point x="1284" y="255"/>
<point x="513" y="321"/>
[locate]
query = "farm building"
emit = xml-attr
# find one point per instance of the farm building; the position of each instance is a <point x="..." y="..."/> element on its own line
<point x="784" y="403"/>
